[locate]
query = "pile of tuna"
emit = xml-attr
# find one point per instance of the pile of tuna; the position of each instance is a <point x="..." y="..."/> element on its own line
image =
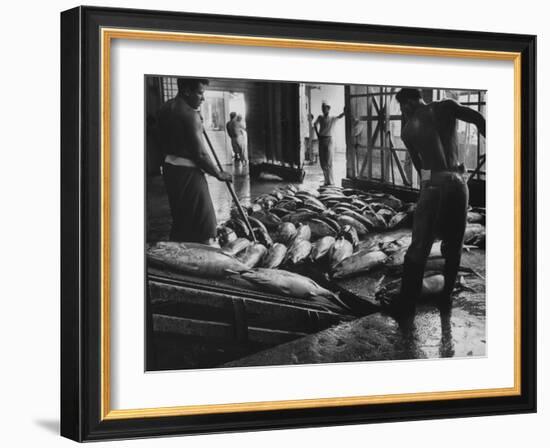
<point x="344" y="232"/>
<point x="294" y="226"/>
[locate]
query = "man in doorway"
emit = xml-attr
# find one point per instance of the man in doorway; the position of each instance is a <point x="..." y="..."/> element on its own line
<point x="430" y="135"/>
<point x="185" y="162"/>
<point x="326" y="124"/>
<point x="236" y="131"/>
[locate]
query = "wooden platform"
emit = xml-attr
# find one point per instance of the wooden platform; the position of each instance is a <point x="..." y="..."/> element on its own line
<point x="224" y="315"/>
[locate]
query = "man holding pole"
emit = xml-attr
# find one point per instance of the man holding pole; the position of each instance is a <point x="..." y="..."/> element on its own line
<point x="185" y="162"/>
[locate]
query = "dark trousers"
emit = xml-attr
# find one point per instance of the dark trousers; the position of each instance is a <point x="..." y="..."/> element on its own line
<point x="193" y="215"/>
<point x="441" y="211"/>
<point x="325" y="158"/>
<point x="237" y="149"/>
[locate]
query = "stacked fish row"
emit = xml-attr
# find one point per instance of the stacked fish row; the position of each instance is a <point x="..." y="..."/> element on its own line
<point x="206" y="261"/>
<point x="292" y="226"/>
<point x="354" y="231"/>
<point x="346" y="232"/>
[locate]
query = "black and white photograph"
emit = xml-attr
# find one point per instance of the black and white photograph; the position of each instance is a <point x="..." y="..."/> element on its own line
<point x="292" y="223"/>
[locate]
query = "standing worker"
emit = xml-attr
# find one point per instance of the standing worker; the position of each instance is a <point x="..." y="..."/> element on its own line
<point x="236" y="131"/>
<point x="324" y="136"/>
<point x="429" y="133"/>
<point x="230" y="128"/>
<point x="185" y="162"/>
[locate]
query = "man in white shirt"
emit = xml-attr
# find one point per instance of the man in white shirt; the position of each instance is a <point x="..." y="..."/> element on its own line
<point x="326" y="124"/>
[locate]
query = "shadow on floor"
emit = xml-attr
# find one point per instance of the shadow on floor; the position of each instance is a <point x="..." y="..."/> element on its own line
<point x="51" y="426"/>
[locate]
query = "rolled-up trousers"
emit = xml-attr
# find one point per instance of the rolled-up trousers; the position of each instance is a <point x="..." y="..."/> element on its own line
<point x="441" y="211"/>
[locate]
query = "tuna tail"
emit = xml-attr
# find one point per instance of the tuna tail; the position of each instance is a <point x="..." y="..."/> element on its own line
<point x="462" y="285"/>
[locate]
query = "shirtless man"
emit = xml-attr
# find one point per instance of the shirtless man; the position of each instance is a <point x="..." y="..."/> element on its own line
<point x="326" y="124"/>
<point x="186" y="160"/>
<point x="429" y="133"/>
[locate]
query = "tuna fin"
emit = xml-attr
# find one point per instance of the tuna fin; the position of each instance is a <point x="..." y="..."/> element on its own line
<point x="379" y="282"/>
<point x="231" y="271"/>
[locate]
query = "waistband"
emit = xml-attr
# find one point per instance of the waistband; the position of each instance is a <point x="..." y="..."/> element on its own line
<point x="453" y="172"/>
<point x="179" y="161"/>
<point x="325" y="136"/>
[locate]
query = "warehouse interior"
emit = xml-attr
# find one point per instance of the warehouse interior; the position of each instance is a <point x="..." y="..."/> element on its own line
<point x="195" y="322"/>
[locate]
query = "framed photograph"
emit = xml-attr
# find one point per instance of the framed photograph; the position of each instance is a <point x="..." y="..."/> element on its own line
<point x="276" y="224"/>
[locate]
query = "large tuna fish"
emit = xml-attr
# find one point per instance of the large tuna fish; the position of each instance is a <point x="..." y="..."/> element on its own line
<point x="252" y="255"/>
<point x="349" y="220"/>
<point x="196" y="259"/>
<point x="341" y="249"/>
<point x="399" y="220"/>
<point x="360" y="262"/>
<point x="256" y="223"/>
<point x="281" y="212"/>
<point x="331" y="220"/>
<point x="269" y="220"/>
<point x="308" y="192"/>
<point x="324" y="197"/>
<point x="322" y="247"/>
<point x="226" y="235"/>
<point x="475" y="235"/>
<point x="274" y="256"/>
<point x="303" y="232"/>
<point x="377" y="206"/>
<point x="277" y="193"/>
<point x="358" y="203"/>
<point x="369" y="225"/>
<point x="386" y="214"/>
<point x="350" y="234"/>
<point x="263" y="237"/>
<point x="390" y="247"/>
<point x="391" y="201"/>
<point x="320" y="228"/>
<point x="378" y="221"/>
<point x="240" y="228"/>
<point x="253" y="208"/>
<point x="289" y="204"/>
<point x="300" y="216"/>
<point x="285" y="232"/>
<point x="314" y="204"/>
<point x="236" y="246"/>
<point x="475" y="217"/>
<point x="397" y="257"/>
<point x="432" y="286"/>
<point x="298" y="252"/>
<point x="278" y="281"/>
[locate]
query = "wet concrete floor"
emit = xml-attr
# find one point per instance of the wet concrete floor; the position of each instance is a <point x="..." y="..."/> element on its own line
<point x="433" y="332"/>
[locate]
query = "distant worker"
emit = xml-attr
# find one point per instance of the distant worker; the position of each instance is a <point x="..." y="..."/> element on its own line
<point x="326" y="124"/>
<point x="185" y="162"/>
<point x="430" y="135"/>
<point x="236" y="131"/>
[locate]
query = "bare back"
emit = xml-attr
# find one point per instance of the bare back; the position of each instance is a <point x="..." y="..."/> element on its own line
<point x="431" y="134"/>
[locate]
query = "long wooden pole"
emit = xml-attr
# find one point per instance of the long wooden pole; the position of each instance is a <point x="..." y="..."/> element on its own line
<point x="231" y="189"/>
